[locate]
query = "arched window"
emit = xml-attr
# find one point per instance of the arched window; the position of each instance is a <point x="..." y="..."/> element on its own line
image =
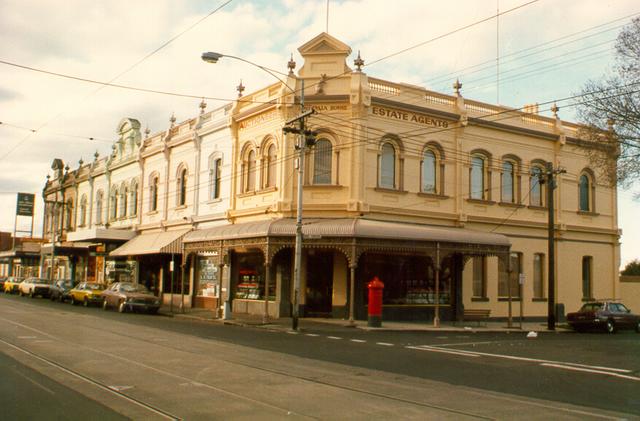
<point x="322" y="156"/>
<point x="68" y="215"/>
<point x="388" y="166"/>
<point x="113" y="211"/>
<point x="508" y="179"/>
<point x="535" y="187"/>
<point x="99" y="204"/>
<point x="182" y="187"/>
<point x="153" y="193"/>
<point x="83" y="210"/>
<point x="478" y="177"/>
<point x="215" y="171"/>
<point x="250" y="172"/>
<point x="124" y="197"/>
<point x="271" y="166"/>
<point x="133" y="198"/>
<point x="429" y="172"/>
<point x="584" y="187"/>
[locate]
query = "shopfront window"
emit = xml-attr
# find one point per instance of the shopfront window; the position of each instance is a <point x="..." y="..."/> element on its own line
<point x="208" y="277"/>
<point x="408" y="280"/>
<point x="251" y="283"/>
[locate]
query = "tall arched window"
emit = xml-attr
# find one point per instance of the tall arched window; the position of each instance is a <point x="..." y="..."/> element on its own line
<point x="133" y="198"/>
<point x="83" y="210"/>
<point x="478" y="182"/>
<point x="535" y="187"/>
<point x="508" y="178"/>
<point x="124" y="197"/>
<point x="113" y="211"/>
<point x="99" y="204"/>
<point x="250" y="171"/>
<point x="215" y="171"/>
<point x="429" y="172"/>
<point x="388" y="166"/>
<point x="153" y="193"/>
<point x="585" y="193"/>
<point x="182" y="187"/>
<point x="322" y="156"/>
<point x="271" y="166"/>
<point x="68" y="217"/>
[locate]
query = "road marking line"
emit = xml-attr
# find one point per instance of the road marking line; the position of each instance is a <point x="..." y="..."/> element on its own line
<point x="526" y="359"/>
<point x="384" y="343"/>
<point x="292" y="332"/>
<point x="606" y="373"/>
<point x="358" y="340"/>
<point x="29" y="379"/>
<point x="311" y="334"/>
<point x="334" y="337"/>
<point x="26" y="337"/>
<point x="468" y="343"/>
<point x="443" y="351"/>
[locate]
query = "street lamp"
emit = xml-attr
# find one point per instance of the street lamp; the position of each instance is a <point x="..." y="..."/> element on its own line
<point x="213" y="57"/>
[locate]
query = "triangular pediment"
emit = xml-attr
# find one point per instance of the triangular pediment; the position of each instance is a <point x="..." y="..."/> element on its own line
<point x="324" y="44"/>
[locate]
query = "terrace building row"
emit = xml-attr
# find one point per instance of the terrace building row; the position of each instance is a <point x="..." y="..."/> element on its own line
<point x="402" y="183"/>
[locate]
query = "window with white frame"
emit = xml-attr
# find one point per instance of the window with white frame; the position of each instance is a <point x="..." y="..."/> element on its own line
<point x="249" y="171"/>
<point x="124" y="197"/>
<point x="113" y="205"/>
<point x="429" y="171"/>
<point x="322" y="162"/>
<point x="215" y="172"/>
<point x="99" y="204"/>
<point x="586" y="190"/>
<point x="133" y="198"/>
<point x="153" y="193"/>
<point x="83" y="210"/>
<point x="181" y="193"/>
<point x="387" y="166"/>
<point x="478" y="182"/>
<point x="536" y="190"/>
<point x="508" y="182"/>
<point x="271" y="161"/>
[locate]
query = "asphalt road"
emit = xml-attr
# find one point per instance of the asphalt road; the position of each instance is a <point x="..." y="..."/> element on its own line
<point x="585" y="372"/>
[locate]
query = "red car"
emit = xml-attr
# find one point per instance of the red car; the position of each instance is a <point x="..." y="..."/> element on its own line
<point x="127" y="296"/>
<point x="606" y="315"/>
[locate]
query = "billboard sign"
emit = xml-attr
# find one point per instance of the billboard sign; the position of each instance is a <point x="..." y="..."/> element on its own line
<point x="25" y="204"/>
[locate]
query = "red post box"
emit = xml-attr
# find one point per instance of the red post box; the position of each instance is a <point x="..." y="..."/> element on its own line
<point x="375" y="302"/>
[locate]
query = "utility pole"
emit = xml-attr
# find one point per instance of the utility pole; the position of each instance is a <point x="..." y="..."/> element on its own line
<point x="550" y="179"/>
<point x="306" y="138"/>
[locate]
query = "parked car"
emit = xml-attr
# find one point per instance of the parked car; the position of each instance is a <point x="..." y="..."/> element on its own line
<point x="2" y="279"/>
<point x="60" y="290"/>
<point x="35" y="286"/>
<point x="87" y="293"/>
<point x="11" y="284"/>
<point x="607" y="315"/>
<point x="129" y="296"/>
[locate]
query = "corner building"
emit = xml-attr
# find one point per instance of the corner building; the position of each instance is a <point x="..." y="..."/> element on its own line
<point x="407" y="185"/>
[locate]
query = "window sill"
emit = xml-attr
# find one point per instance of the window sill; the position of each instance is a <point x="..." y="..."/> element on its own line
<point x="536" y="207"/>
<point x="511" y="205"/>
<point x="216" y="200"/>
<point x="481" y="201"/>
<point x="387" y="190"/>
<point x="323" y="186"/>
<point x="153" y="212"/>
<point x="267" y="190"/>
<point x="247" y="194"/>
<point x="181" y="207"/>
<point x="479" y="299"/>
<point x="507" y="299"/>
<point x="432" y="195"/>
<point x="587" y="213"/>
<point x="538" y="300"/>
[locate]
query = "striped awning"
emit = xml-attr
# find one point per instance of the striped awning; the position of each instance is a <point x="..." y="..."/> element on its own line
<point x="165" y="242"/>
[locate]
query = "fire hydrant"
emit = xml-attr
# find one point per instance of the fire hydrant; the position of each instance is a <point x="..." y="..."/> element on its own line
<point x="375" y="302"/>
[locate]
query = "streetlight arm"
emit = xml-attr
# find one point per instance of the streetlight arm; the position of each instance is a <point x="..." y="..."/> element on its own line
<point x="213" y="57"/>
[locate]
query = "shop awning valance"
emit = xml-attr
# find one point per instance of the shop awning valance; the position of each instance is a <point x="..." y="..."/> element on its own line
<point x="348" y="228"/>
<point x="152" y="243"/>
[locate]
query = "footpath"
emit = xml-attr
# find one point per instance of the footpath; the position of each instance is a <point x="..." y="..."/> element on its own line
<point x="285" y="323"/>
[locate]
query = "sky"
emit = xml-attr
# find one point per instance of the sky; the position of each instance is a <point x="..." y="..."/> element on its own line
<point x="543" y="51"/>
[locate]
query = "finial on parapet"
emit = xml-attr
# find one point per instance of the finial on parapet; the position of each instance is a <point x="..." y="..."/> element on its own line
<point x="358" y="62"/>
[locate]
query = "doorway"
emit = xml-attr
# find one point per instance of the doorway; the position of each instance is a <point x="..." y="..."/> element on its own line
<point x="319" y="291"/>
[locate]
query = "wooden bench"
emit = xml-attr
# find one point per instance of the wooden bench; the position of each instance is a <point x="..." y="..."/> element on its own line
<point x="476" y="315"/>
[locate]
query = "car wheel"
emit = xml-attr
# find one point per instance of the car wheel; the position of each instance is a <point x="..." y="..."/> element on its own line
<point x="610" y="326"/>
<point x="31" y="294"/>
<point x="105" y="306"/>
<point x="20" y="293"/>
<point x="73" y="300"/>
<point x="638" y="327"/>
<point x="122" y="307"/>
<point x="85" y="302"/>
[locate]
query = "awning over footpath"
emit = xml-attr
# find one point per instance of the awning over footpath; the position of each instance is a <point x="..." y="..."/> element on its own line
<point x="348" y="228"/>
<point x="166" y="242"/>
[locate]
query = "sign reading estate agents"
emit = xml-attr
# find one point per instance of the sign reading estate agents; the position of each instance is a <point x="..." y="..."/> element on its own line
<point x="409" y="117"/>
<point x="25" y="204"/>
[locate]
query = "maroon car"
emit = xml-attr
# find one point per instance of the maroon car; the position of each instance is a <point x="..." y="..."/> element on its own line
<point x="127" y="296"/>
<point x="607" y="315"/>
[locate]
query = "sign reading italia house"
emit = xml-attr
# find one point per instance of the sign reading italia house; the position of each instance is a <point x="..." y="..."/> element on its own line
<point x="409" y="117"/>
<point x="25" y="204"/>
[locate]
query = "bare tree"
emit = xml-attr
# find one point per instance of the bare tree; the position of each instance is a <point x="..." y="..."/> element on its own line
<point x="610" y="111"/>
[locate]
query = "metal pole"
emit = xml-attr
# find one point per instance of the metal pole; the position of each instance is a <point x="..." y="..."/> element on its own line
<point x="509" y="283"/>
<point x="521" y="293"/>
<point x="352" y="294"/>
<point x="551" y="309"/>
<point x="171" y="270"/>
<point x="182" y="287"/>
<point x="53" y="235"/>
<point x="267" y="280"/>
<point x="298" y="250"/>
<point x="436" y="316"/>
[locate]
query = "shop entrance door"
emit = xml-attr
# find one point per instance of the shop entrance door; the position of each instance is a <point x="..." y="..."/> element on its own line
<point x="319" y="284"/>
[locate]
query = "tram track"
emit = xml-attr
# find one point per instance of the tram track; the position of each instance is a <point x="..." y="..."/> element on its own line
<point x="164" y="345"/>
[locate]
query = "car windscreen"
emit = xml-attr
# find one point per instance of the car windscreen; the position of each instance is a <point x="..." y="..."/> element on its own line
<point x="591" y="307"/>
<point x="134" y="288"/>
<point x="95" y="287"/>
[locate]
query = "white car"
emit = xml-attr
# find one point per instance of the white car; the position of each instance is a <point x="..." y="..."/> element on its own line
<point x="35" y="286"/>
